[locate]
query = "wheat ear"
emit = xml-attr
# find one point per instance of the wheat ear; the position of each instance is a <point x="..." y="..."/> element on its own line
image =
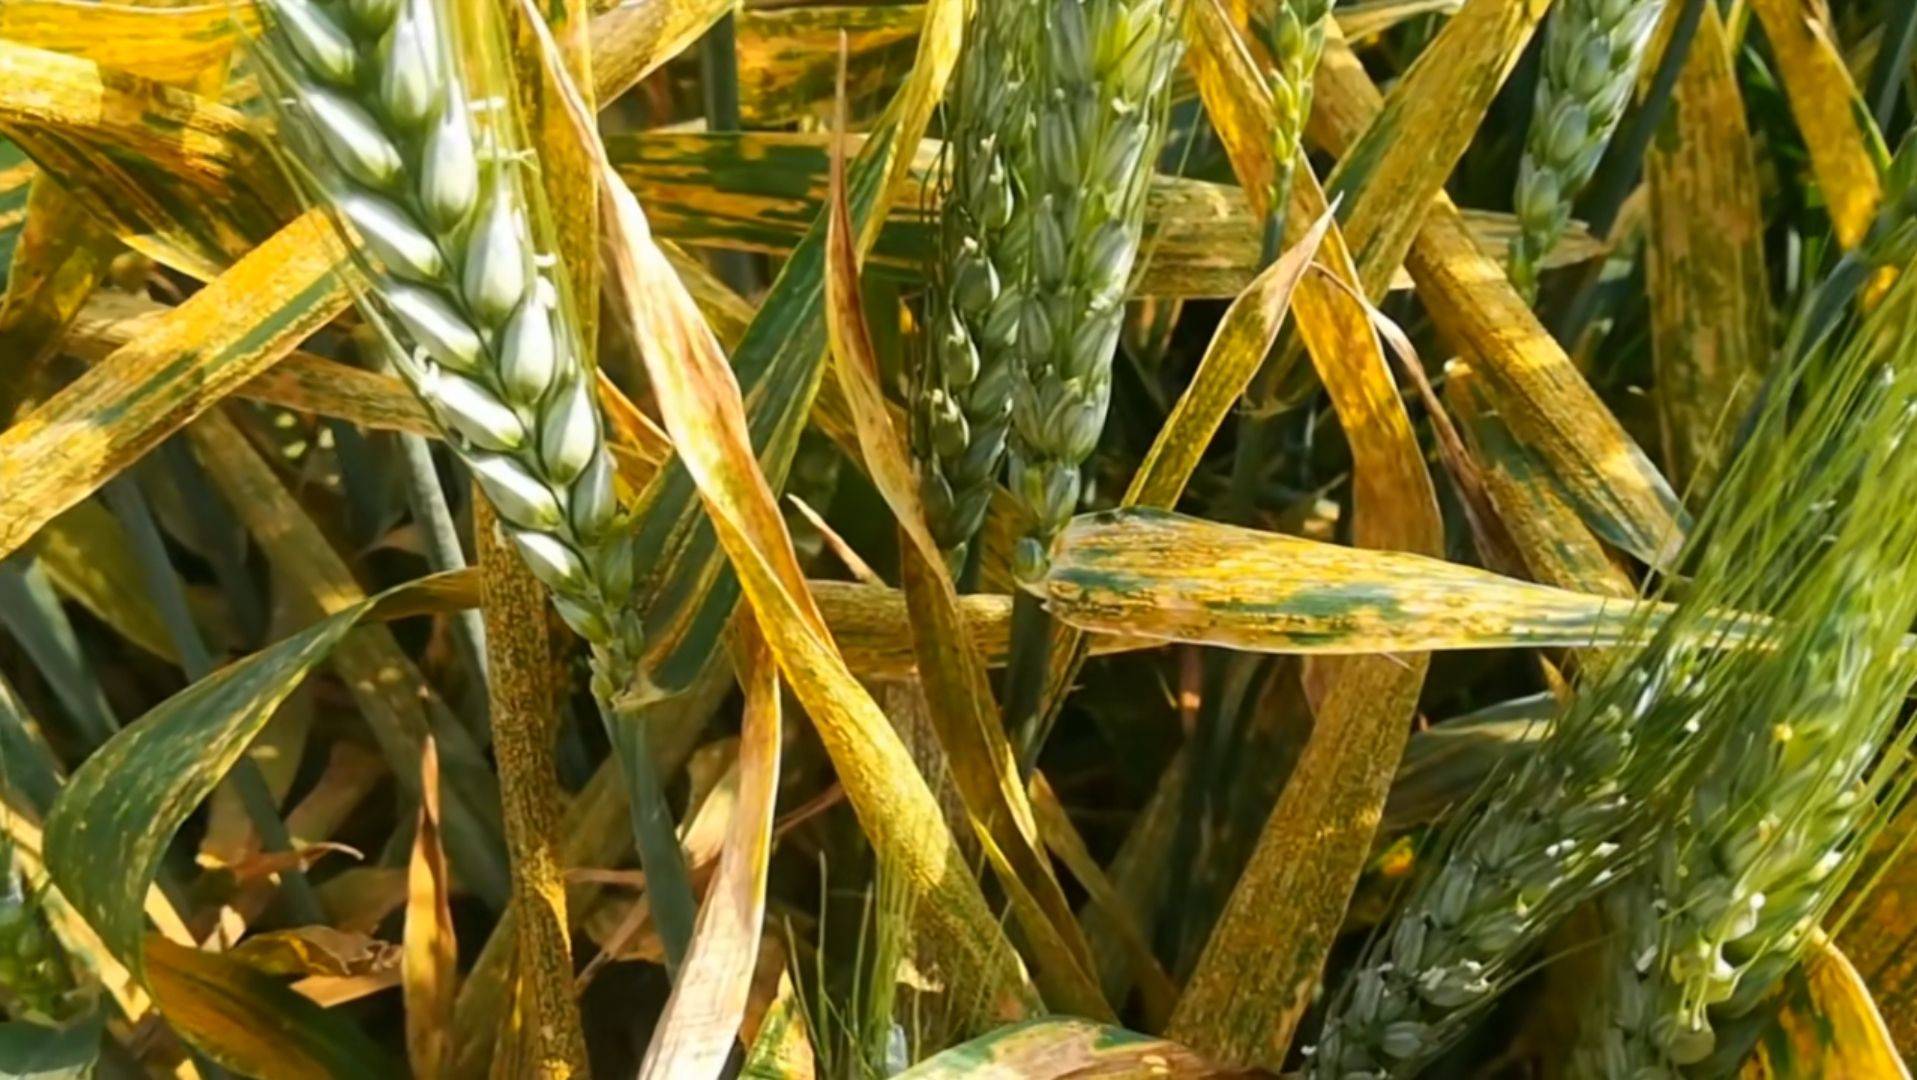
<point x="1100" y="74"/>
<point x="1592" y="51"/>
<point x="963" y="391"/>
<point x="384" y="130"/>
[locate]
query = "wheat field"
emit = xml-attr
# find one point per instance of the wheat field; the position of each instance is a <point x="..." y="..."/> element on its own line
<point x="958" y="538"/>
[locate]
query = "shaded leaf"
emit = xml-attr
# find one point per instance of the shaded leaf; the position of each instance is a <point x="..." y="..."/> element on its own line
<point x="250" y="1022"/>
<point x="431" y="955"/>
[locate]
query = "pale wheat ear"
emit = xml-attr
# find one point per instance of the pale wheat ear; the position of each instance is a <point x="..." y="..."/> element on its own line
<point x="1592" y="51"/>
<point x="412" y="141"/>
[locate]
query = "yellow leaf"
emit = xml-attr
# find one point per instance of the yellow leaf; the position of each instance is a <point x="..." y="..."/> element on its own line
<point x="1266" y="953"/>
<point x="957" y="694"/>
<point x="1551" y="409"/>
<point x="1704" y="264"/>
<point x="228" y="332"/>
<point x="1827" y="1025"/>
<point x="1844" y="143"/>
<point x="700" y="1024"/>
<point x="430" y="966"/>
<point x="1176" y="578"/>
<point x="522" y="692"/>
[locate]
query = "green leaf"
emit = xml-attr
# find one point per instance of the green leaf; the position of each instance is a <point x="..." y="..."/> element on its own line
<point x="29" y="1051"/>
<point x="110" y="827"/>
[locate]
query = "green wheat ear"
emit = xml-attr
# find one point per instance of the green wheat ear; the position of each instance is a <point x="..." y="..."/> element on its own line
<point x="1101" y="75"/>
<point x="1809" y="515"/>
<point x="1592" y="51"/>
<point x="962" y="395"/>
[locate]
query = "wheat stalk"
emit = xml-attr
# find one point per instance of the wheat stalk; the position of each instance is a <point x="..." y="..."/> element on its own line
<point x="384" y="129"/>
<point x="1100" y="74"/>
<point x="963" y="390"/>
<point x="1592" y="50"/>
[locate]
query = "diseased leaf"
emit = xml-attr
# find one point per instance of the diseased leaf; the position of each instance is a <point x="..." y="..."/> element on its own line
<point x="700" y="401"/>
<point x="957" y="695"/>
<point x="181" y="179"/>
<point x="1844" y="144"/>
<point x="1266" y="953"/>
<point x="397" y="703"/>
<point x="251" y="1023"/>
<point x="1704" y="265"/>
<point x="430" y="966"/>
<point x="1186" y="579"/>
<point x="228" y="332"/>
<point x="1826" y="1025"/>
<point x="702" y="1018"/>
<point x="1061" y="1047"/>
<point x="111" y="824"/>
<point x="761" y="191"/>
<point x="1543" y="397"/>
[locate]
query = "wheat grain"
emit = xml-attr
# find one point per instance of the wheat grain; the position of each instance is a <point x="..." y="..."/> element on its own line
<point x="1592" y="50"/>
<point x="1100" y="73"/>
<point x="385" y="131"/>
<point x="963" y="392"/>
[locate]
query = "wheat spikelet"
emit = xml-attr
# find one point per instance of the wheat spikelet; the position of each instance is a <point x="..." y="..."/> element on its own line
<point x="963" y="392"/>
<point x="385" y="131"/>
<point x="1100" y="72"/>
<point x="1592" y="50"/>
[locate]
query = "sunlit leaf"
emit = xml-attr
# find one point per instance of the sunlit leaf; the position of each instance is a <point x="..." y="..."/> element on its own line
<point x="1054" y="1049"/>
